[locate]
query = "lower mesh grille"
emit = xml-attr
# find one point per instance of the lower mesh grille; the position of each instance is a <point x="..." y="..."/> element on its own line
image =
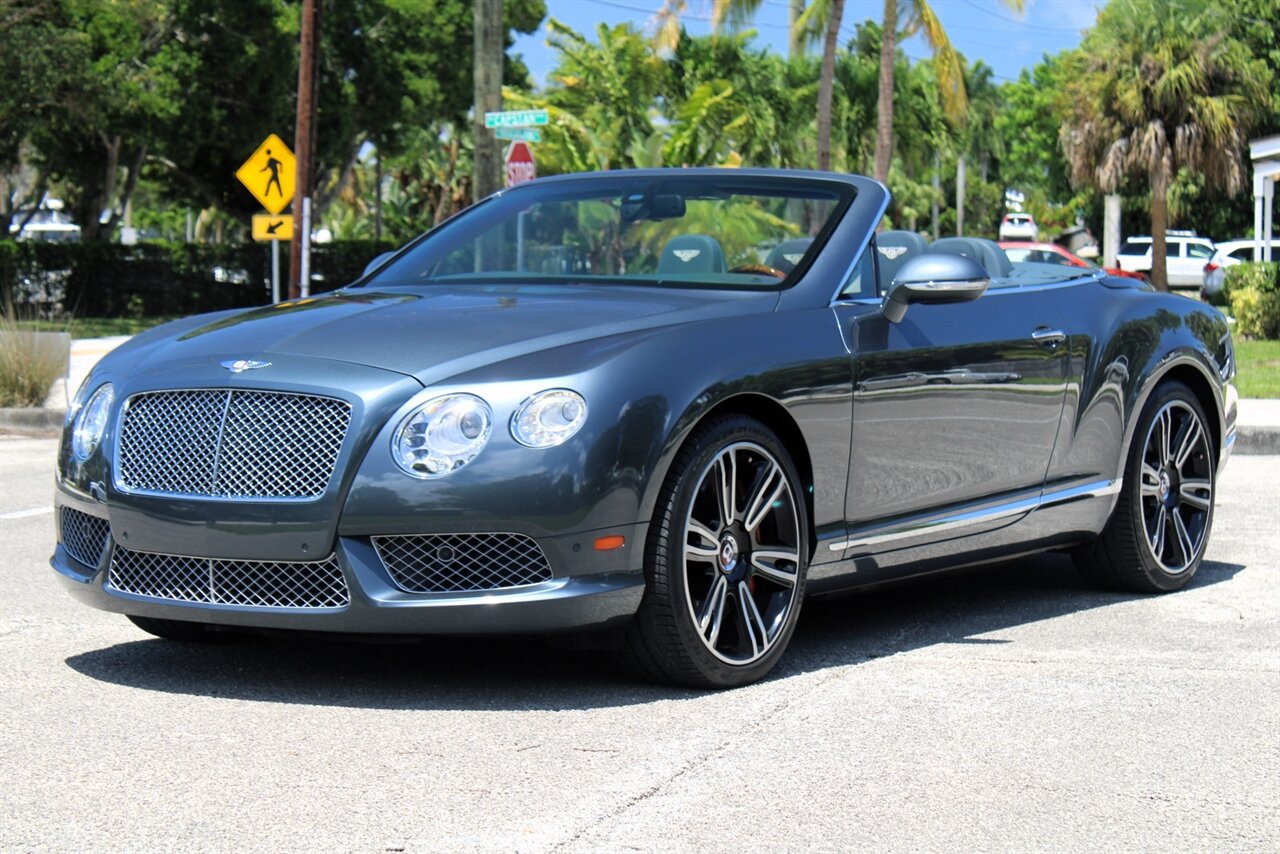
<point x="84" y="536"/>
<point x="261" y="584"/>
<point x="440" y="563"/>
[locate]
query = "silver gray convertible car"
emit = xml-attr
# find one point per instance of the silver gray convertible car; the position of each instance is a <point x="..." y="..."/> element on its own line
<point x="662" y="406"/>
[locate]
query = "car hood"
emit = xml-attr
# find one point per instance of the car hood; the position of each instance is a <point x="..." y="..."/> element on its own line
<point x="438" y="332"/>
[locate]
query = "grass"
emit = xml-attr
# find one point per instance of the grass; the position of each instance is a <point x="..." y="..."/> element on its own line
<point x="1258" y="368"/>
<point x="29" y="364"/>
<point x="95" y="327"/>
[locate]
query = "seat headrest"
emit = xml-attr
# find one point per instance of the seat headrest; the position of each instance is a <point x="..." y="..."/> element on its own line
<point x="896" y="248"/>
<point x="691" y="253"/>
<point x="985" y="252"/>
<point x="787" y="254"/>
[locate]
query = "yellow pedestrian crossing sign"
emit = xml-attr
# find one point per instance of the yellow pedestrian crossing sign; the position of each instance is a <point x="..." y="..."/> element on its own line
<point x="269" y="174"/>
<point x="273" y="226"/>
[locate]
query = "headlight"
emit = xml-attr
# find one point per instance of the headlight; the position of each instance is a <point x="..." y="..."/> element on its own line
<point x="442" y="435"/>
<point x="91" y="422"/>
<point x="549" y="418"/>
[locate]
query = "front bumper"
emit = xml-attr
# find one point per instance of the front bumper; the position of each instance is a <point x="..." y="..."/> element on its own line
<point x="589" y="590"/>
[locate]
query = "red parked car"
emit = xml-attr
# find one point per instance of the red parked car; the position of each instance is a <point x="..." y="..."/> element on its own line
<point x="1052" y="253"/>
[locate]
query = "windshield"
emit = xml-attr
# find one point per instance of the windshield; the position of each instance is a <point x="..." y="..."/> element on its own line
<point x="686" y="230"/>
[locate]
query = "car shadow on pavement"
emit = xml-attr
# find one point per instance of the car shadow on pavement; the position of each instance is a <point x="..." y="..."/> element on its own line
<point x="530" y="674"/>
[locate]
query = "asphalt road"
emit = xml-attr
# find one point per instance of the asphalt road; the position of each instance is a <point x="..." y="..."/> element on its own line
<point x="1010" y="709"/>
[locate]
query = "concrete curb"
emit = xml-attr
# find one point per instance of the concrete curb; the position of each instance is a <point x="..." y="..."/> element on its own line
<point x="1257" y="439"/>
<point x="31" y="421"/>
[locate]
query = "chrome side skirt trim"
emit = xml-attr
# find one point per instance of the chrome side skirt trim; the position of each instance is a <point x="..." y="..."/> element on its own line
<point x="942" y="524"/>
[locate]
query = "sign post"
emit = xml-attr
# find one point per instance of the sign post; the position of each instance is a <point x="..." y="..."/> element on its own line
<point x="520" y="164"/>
<point x="269" y="174"/>
<point x="527" y="134"/>
<point x="516" y="119"/>
<point x="273" y="229"/>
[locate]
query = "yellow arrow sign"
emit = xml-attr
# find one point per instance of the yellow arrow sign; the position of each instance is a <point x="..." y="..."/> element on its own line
<point x="273" y="226"/>
<point x="269" y="174"/>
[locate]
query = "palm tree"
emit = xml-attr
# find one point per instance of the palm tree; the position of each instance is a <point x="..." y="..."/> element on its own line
<point x="1157" y="88"/>
<point x="488" y="58"/>
<point x="979" y="137"/>
<point x="919" y="16"/>
<point x="736" y="12"/>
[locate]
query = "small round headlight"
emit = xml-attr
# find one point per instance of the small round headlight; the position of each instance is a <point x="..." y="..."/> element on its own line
<point x="91" y="422"/>
<point x="549" y="418"/>
<point x="442" y="435"/>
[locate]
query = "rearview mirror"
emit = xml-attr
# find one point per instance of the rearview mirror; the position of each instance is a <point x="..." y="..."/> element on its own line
<point x="376" y="263"/>
<point x="934" y="279"/>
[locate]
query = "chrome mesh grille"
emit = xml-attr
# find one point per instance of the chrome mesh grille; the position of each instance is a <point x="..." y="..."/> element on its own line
<point x="261" y="584"/>
<point x="228" y="443"/>
<point x="84" y="536"/>
<point x="439" y="563"/>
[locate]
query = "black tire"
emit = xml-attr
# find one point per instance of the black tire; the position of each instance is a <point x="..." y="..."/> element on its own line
<point x="686" y="631"/>
<point x="1156" y="537"/>
<point x="180" y="630"/>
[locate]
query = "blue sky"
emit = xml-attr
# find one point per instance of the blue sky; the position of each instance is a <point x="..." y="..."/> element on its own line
<point x="980" y="29"/>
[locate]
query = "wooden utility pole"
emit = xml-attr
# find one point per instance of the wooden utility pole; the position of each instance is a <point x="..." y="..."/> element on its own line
<point x="488" y="58"/>
<point x="304" y="146"/>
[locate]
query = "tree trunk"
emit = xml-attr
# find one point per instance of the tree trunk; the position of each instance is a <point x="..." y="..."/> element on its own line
<point x="795" y="44"/>
<point x="1159" y="223"/>
<point x="826" y="81"/>
<point x="960" y="192"/>
<point x="489" y="54"/>
<point x="937" y="193"/>
<point x="884" y="108"/>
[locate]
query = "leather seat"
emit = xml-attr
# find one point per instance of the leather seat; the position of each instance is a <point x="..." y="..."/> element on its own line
<point x="691" y="253"/>
<point x="896" y="248"/>
<point x="787" y="254"/>
<point x="985" y="252"/>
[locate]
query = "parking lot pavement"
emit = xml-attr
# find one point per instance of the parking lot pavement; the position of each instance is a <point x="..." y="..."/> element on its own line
<point x="1008" y="709"/>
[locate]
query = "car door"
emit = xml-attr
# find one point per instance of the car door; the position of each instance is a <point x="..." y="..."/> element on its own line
<point x="1191" y="274"/>
<point x="955" y="410"/>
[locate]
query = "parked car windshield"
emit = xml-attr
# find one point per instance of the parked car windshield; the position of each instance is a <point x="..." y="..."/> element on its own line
<point x="682" y="230"/>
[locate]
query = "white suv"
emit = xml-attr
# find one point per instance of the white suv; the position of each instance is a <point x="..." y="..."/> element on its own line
<point x="1187" y="254"/>
<point x="1019" y="226"/>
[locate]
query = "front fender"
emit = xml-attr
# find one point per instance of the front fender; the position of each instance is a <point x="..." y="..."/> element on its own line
<point x="1124" y="343"/>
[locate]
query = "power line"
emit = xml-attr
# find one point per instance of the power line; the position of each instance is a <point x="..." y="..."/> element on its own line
<point x="1015" y="21"/>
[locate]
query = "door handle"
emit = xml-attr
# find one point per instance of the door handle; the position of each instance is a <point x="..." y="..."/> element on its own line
<point x="1046" y="337"/>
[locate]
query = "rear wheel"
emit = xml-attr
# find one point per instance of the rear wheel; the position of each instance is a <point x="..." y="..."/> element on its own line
<point x="179" y="630"/>
<point x="1158" y="532"/>
<point x="725" y="561"/>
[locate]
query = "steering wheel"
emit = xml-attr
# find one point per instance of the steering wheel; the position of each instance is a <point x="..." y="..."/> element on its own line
<point x="763" y="269"/>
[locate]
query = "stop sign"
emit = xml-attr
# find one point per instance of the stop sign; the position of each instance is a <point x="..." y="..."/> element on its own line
<point x="520" y="167"/>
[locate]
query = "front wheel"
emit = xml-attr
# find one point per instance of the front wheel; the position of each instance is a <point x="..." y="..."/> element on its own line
<point x="725" y="561"/>
<point x="1158" y="532"/>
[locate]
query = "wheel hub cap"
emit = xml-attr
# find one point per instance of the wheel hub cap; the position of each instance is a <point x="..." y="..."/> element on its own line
<point x="1165" y="485"/>
<point x="728" y="554"/>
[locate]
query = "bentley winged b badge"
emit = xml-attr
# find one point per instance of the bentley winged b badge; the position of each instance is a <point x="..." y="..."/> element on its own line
<point x="239" y="366"/>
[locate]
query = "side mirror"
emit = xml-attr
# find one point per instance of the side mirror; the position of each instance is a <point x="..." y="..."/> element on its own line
<point x="932" y="278"/>
<point x="376" y="263"/>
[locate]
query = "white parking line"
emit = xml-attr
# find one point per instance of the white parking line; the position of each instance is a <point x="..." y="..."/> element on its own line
<point x="23" y="514"/>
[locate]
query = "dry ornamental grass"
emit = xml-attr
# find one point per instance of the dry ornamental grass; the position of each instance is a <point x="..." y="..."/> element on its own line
<point x="30" y="363"/>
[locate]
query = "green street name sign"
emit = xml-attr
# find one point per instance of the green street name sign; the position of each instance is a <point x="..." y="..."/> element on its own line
<point x="526" y="134"/>
<point x="515" y="119"/>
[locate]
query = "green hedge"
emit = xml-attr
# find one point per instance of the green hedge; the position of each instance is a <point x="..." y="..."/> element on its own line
<point x="1253" y="292"/>
<point x="110" y="280"/>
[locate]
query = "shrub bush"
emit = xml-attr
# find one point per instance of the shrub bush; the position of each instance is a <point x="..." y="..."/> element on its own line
<point x="1253" y="292"/>
<point x="150" y="279"/>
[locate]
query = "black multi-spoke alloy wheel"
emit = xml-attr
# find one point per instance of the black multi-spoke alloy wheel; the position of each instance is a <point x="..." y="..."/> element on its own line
<point x="725" y="560"/>
<point x="1158" y="532"/>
